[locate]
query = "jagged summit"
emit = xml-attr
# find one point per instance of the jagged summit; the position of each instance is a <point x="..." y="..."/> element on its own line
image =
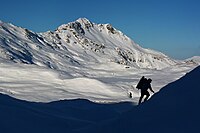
<point x="84" y="20"/>
<point x="85" y="23"/>
<point x="77" y="43"/>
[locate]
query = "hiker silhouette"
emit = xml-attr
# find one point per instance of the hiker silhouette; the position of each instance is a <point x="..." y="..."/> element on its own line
<point x="144" y="84"/>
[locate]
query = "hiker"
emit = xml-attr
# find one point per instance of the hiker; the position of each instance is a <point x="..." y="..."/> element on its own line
<point x="144" y="84"/>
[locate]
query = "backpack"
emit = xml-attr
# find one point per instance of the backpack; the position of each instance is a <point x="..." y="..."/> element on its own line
<point x="140" y="83"/>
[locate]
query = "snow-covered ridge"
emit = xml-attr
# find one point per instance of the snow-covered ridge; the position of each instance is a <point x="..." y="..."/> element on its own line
<point x="193" y="60"/>
<point x="76" y="43"/>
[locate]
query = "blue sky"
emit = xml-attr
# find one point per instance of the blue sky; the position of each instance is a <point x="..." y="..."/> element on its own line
<point x="169" y="26"/>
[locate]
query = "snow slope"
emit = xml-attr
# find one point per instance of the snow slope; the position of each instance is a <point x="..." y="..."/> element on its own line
<point x="193" y="60"/>
<point x="80" y="59"/>
<point x="56" y="117"/>
<point x="110" y="83"/>
<point x="76" y="44"/>
<point x="90" y="62"/>
<point x="174" y="109"/>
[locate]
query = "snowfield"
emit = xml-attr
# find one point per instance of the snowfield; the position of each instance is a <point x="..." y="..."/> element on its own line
<point x="103" y="83"/>
<point x="78" y="79"/>
<point x="80" y="59"/>
<point x="174" y="109"/>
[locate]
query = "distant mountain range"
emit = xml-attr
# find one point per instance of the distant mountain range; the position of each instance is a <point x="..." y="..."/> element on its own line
<point x="79" y="44"/>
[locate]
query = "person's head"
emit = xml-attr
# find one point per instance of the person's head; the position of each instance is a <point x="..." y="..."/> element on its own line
<point x="149" y="80"/>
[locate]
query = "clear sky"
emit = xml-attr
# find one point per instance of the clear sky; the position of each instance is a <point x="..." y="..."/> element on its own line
<point x="169" y="26"/>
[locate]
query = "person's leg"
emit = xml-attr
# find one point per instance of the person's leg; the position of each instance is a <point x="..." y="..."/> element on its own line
<point x="147" y="96"/>
<point x="140" y="100"/>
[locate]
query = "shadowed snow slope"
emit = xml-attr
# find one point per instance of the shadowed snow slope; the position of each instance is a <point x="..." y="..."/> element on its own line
<point x="55" y="117"/>
<point x="175" y="109"/>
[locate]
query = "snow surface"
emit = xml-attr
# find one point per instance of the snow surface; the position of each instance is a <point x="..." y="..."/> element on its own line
<point x="174" y="109"/>
<point x="104" y="83"/>
<point x="77" y="44"/>
<point x="194" y="59"/>
<point x="78" y="79"/>
<point x="80" y="59"/>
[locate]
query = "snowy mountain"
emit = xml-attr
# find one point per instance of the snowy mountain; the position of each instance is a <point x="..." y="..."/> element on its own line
<point x="78" y="79"/>
<point x="80" y="59"/>
<point x="79" y="44"/>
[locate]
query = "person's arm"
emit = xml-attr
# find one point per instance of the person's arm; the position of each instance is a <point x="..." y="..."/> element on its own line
<point x="151" y="88"/>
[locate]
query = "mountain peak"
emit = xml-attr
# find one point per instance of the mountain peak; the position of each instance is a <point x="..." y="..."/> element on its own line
<point x="95" y="42"/>
<point x="85" y="23"/>
<point x="83" y="20"/>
